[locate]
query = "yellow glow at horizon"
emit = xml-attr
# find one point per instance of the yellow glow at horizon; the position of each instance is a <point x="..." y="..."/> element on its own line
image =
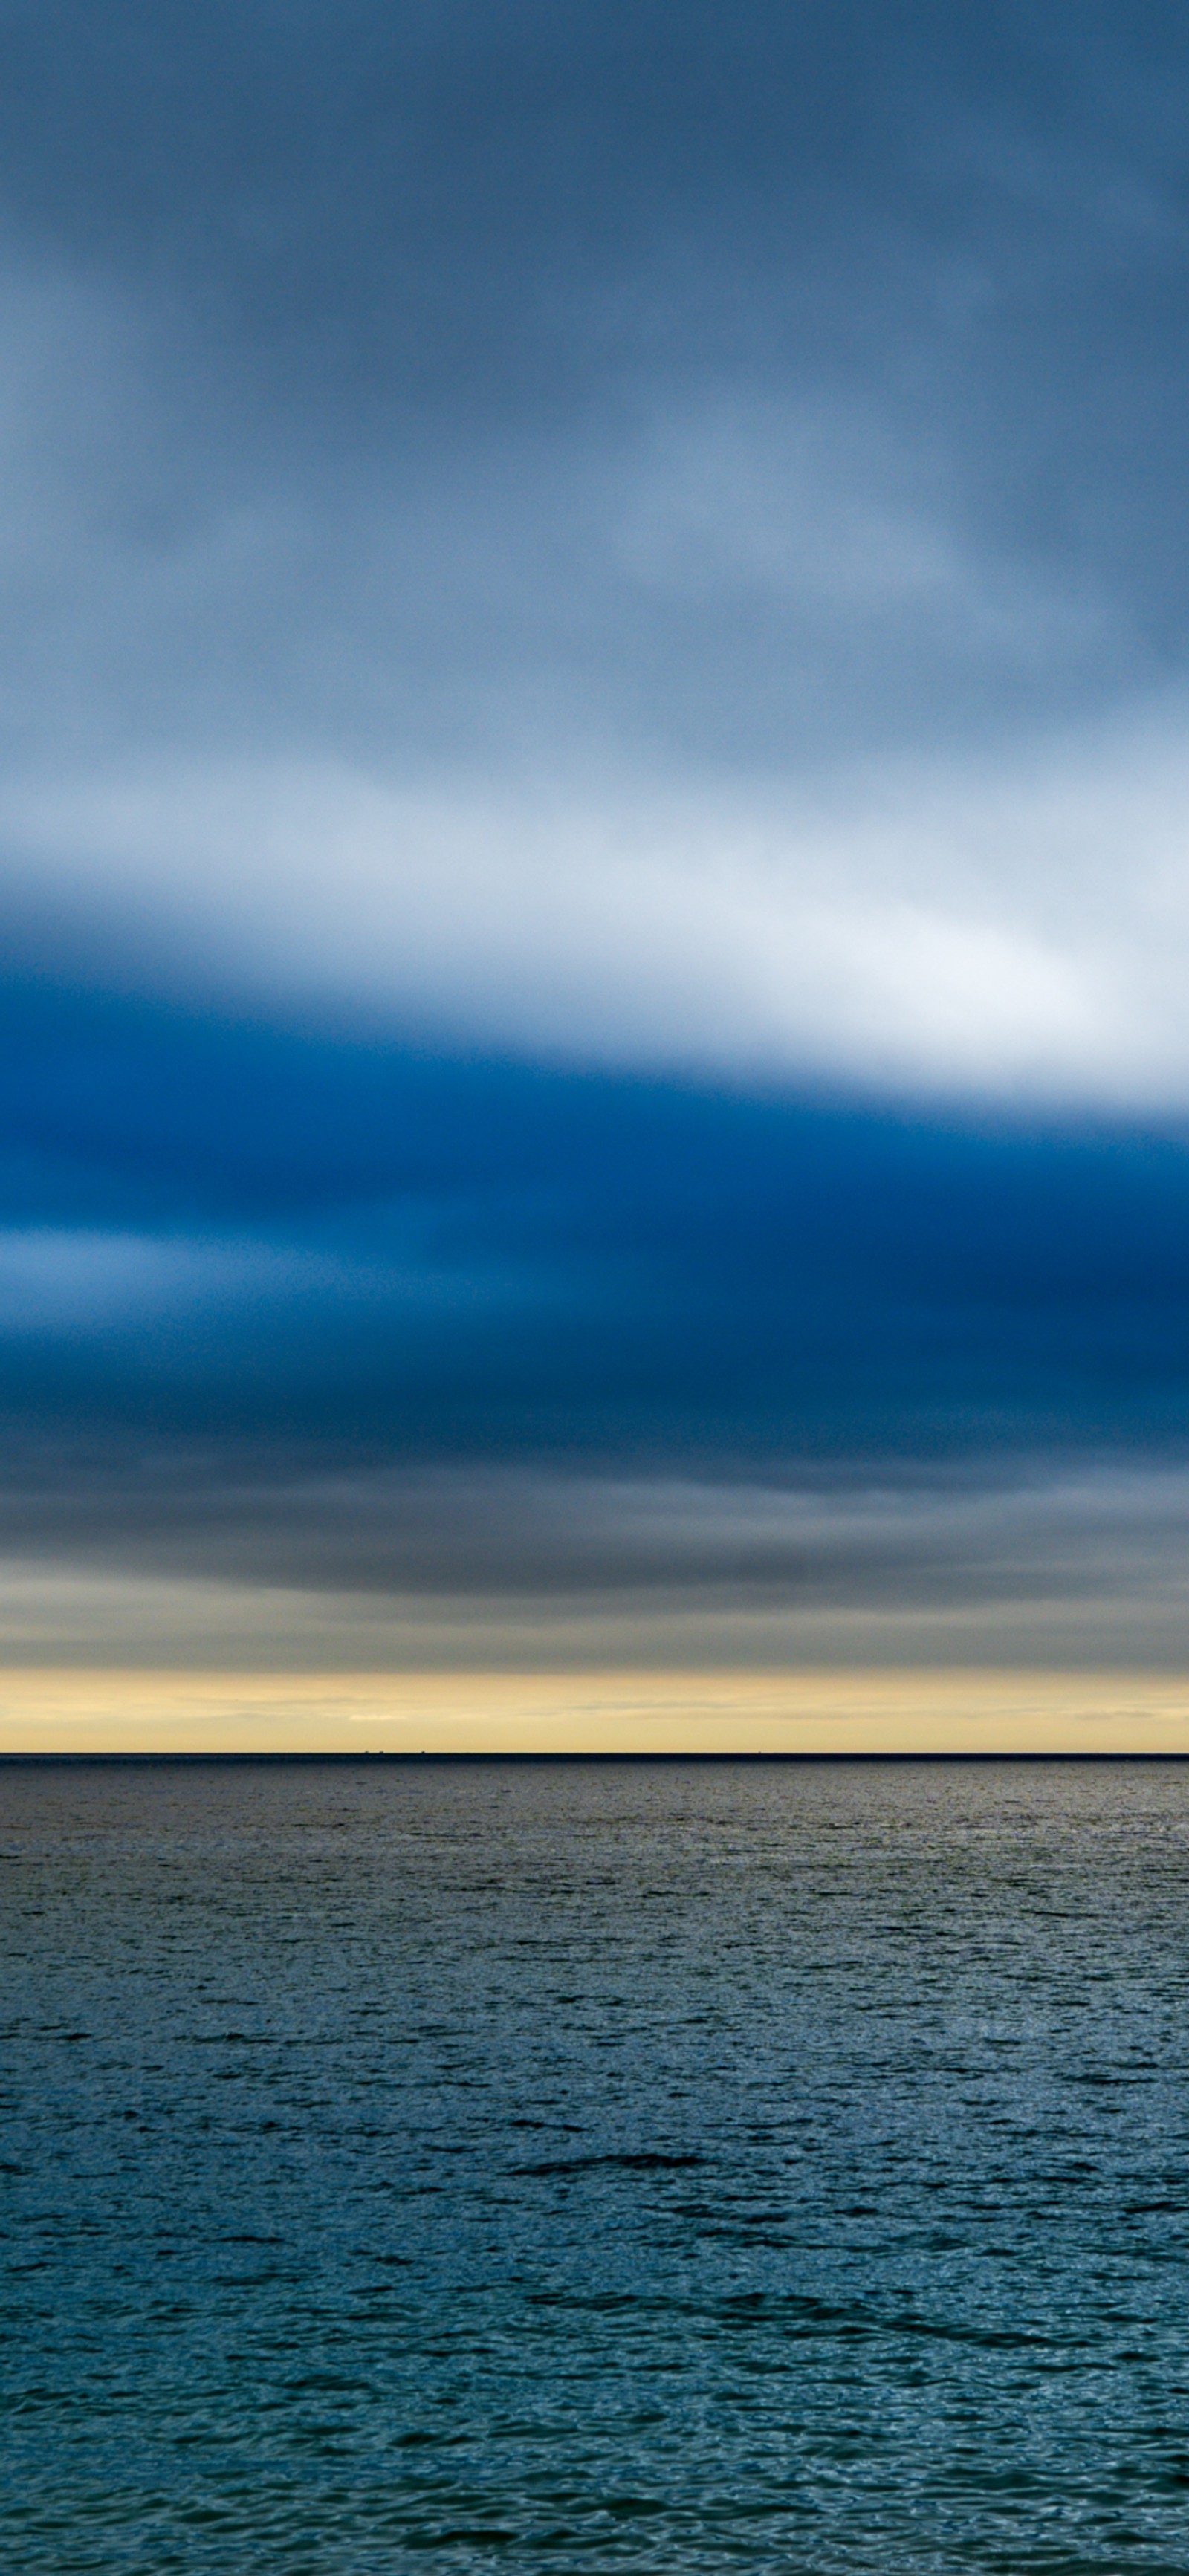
<point x="859" y="1711"/>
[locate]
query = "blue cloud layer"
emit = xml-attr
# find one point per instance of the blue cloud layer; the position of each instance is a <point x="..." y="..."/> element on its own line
<point x="475" y="1258"/>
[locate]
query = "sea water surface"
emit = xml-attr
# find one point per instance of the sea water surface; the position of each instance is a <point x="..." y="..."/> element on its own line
<point x="584" y="2166"/>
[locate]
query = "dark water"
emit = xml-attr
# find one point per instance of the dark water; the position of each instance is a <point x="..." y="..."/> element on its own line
<point x="595" y="2167"/>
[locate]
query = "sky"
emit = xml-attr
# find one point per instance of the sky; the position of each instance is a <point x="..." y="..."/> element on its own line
<point x="594" y="709"/>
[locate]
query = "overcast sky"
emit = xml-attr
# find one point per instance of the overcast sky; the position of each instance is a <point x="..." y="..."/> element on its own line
<point x="594" y="708"/>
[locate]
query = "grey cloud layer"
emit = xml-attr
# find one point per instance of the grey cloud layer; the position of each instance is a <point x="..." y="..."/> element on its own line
<point x="300" y="1560"/>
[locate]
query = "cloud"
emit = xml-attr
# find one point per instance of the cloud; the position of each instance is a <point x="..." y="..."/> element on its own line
<point x="607" y="539"/>
<point x="58" y="1281"/>
<point x="281" y="1560"/>
<point x="973" y="934"/>
<point x="458" y="1256"/>
<point x="593" y="691"/>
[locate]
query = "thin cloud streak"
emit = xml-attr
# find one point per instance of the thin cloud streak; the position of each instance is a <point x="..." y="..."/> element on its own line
<point x="969" y="937"/>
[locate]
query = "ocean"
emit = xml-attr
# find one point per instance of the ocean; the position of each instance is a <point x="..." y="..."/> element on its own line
<point x="595" y="2166"/>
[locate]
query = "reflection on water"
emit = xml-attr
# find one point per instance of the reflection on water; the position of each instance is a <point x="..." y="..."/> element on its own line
<point x="666" y="2167"/>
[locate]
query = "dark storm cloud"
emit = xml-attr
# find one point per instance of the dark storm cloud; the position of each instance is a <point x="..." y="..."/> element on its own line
<point x="453" y="199"/>
<point x="408" y="339"/>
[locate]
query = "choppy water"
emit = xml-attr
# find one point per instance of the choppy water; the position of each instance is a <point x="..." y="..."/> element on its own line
<point x="595" y="2166"/>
